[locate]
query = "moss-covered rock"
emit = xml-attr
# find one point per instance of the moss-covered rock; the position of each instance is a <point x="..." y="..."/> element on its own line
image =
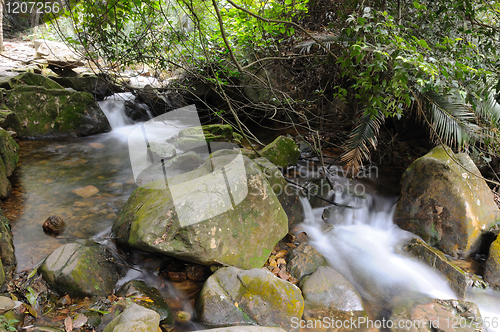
<point x="194" y="137"/>
<point x="148" y="297"/>
<point x="282" y="152"/>
<point x="135" y="318"/>
<point x="328" y="294"/>
<point x="249" y="297"/>
<point x="438" y="315"/>
<point x="7" y="255"/>
<point x="286" y="193"/>
<point x="458" y="279"/>
<point x="492" y="267"/>
<point x="28" y="79"/>
<point x="9" y="158"/>
<point x="202" y="219"/>
<point x="93" y="84"/>
<point x="9" y="119"/>
<point x="81" y="270"/>
<point x="55" y="113"/>
<point x="446" y="203"/>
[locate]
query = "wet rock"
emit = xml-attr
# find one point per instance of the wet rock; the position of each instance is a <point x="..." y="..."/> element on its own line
<point x="162" y="150"/>
<point x="194" y="137"/>
<point x="55" y="112"/>
<point x="135" y="318"/>
<point x="81" y="270"/>
<point x="28" y="79"/>
<point x="8" y="161"/>
<point x="285" y="192"/>
<point x="328" y="294"/>
<point x="7" y="255"/>
<point x="304" y="260"/>
<point x="148" y="297"/>
<point x="492" y="266"/>
<point x="223" y="212"/>
<point x="448" y="206"/>
<point x="249" y="297"/>
<point x="245" y="329"/>
<point x="2" y="275"/>
<point x="54" y="225"/>
<point x="187" y="161"/>
<point x="437" y="315"/>
<point x="282" y="152"/>
<point x="458" y="279"/>
<point x="97" y="85"/>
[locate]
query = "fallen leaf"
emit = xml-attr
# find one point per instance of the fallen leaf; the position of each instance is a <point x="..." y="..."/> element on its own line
<point x="281" y="261"/>
<point x="68" y="324"/>
<point x="79" y="321"/>
<point x="281" y="253"/>
<point x="272" y="263"/>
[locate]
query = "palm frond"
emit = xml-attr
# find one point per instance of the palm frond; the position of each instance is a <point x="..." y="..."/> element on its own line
<point x="328" y="39"/>
<point x="453" y="122"/>
<point x="362" y="137"/>
<point x="488" y="109"/>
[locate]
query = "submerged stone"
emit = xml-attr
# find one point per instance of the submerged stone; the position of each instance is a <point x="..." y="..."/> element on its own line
<point x="249" y="297"/>
<point x="81" y="270"/>
<point x="445" y="201"/>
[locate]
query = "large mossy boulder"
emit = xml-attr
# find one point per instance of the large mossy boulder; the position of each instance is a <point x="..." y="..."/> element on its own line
<point x="282" y="152"/>
<point x="437" y="315"/>
<point x="9" y="157"/>
<point x="445" y="201"/>
<point x="249" y="297"/>
<point x="492" y="266"/>
<point x="55" y="112"/>
<point x="327" y="294"/>
<point x="81" y="270"/>
<point x="224" y="212"/>
<point x="135" y="318"/>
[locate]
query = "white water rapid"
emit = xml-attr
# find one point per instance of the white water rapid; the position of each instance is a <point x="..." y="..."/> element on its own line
<point x="363" y="248"/>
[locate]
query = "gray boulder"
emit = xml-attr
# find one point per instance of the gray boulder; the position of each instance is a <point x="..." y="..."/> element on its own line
<point x="249" y="297"/>
<point x="135" y="318"/>
<point x="202" y="218"/>
<point x="81" y="270"/>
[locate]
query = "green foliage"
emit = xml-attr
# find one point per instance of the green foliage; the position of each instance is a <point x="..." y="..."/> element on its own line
<point x="8" y="324"/>
<point x="437" y="57"/>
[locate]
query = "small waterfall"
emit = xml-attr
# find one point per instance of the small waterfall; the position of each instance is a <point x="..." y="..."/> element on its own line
<point x="362" y="247"/>
<point x="114" y="109"/>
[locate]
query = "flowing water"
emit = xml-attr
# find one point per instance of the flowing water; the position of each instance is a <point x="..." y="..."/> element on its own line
<point x="363" y="246"/>
<point x="61" y="178"/>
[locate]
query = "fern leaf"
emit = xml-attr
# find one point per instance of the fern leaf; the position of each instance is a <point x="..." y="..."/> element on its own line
<point x="362" y="137"/>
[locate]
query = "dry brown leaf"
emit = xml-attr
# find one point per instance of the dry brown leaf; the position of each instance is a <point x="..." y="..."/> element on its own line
<point x="79" y="321"/>
<point x="68" y="324"/>
<point x="281" y="253"/>
<point x="281" y="261"/>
